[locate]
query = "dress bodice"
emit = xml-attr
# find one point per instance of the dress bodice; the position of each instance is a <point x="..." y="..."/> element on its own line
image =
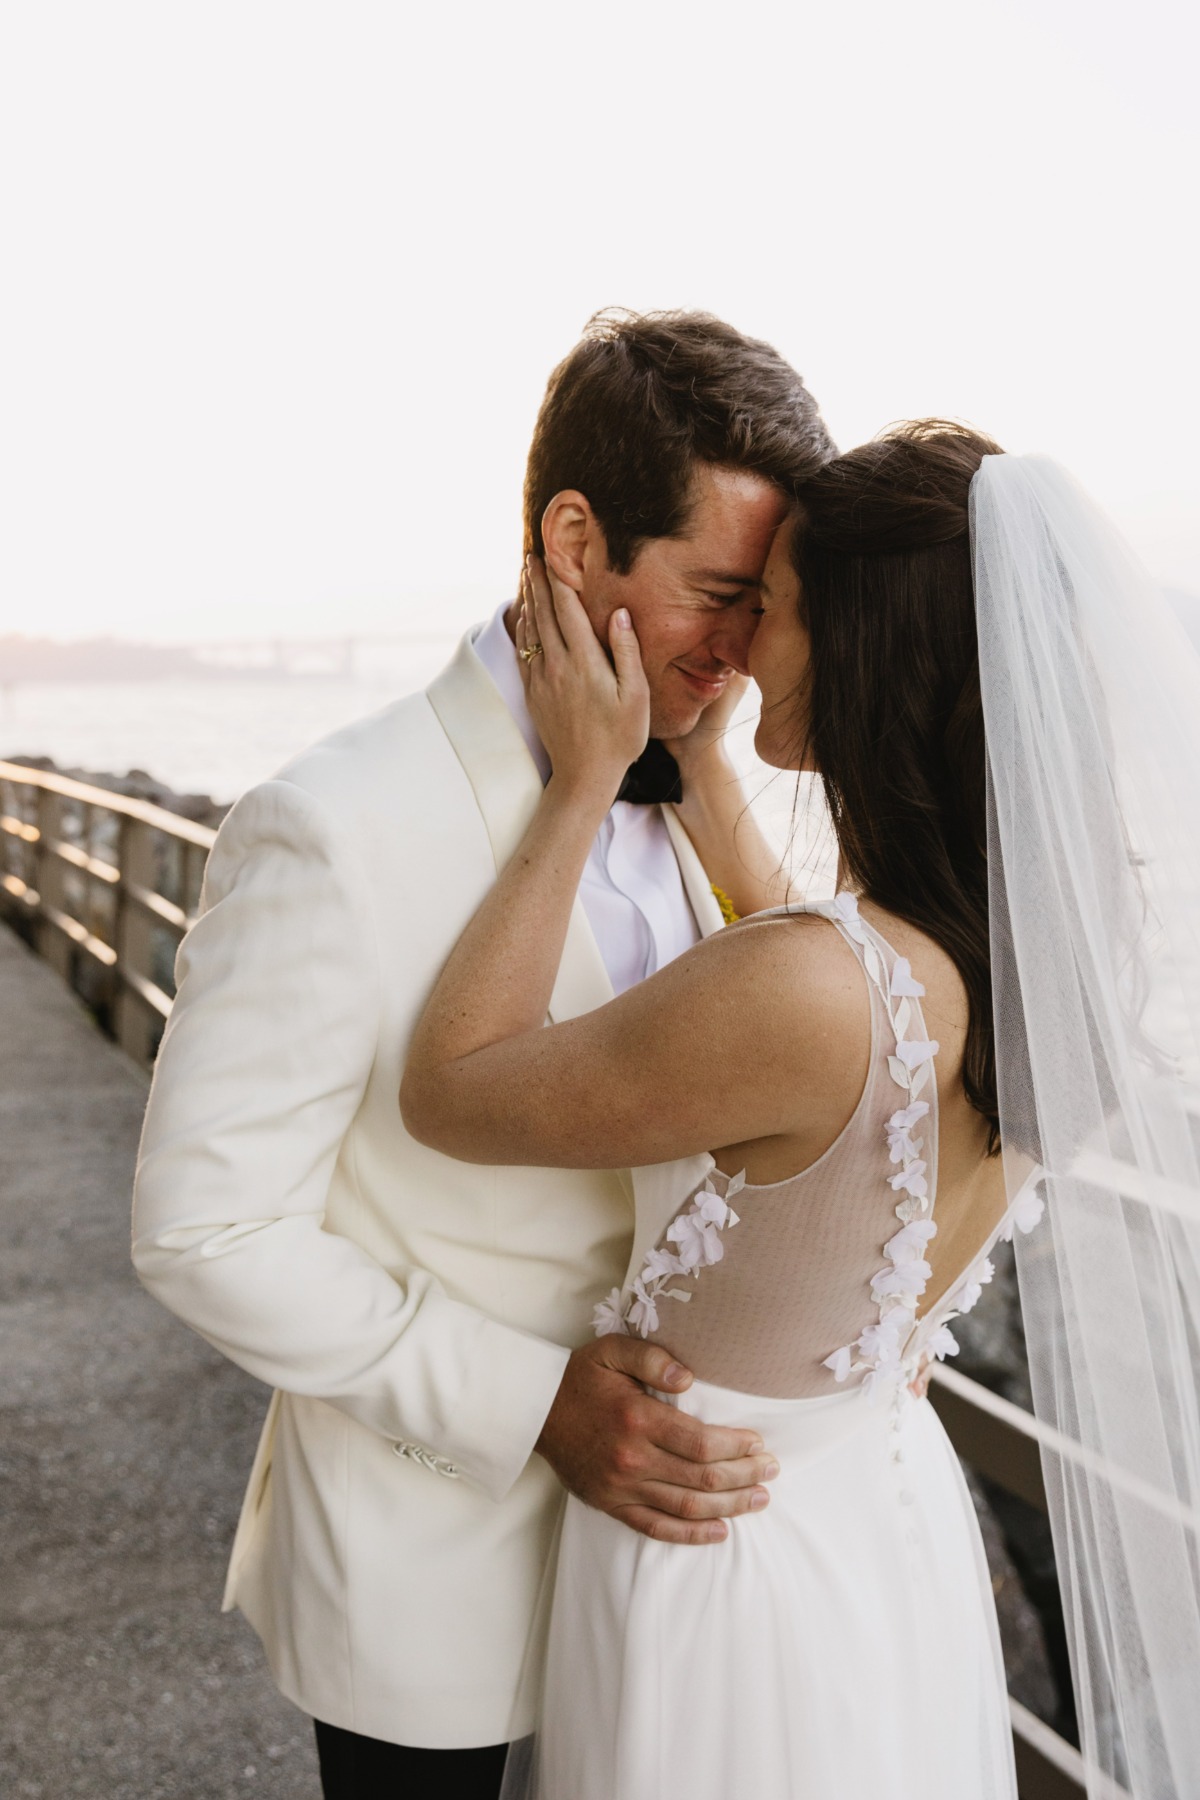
<point x="790" y="1288"/>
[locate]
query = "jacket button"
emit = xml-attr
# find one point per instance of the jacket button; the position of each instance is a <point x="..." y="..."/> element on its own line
<point x="426" y="1459"/>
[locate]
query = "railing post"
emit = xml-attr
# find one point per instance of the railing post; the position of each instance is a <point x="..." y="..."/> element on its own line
<point x="30" y="810"/>
<point x="106" y="909"/>
<point x="58" y="950"/>
<point x="137" y="1026"/>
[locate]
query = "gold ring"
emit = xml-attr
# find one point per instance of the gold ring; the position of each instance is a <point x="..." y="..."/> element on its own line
<point x="530" y="651"/>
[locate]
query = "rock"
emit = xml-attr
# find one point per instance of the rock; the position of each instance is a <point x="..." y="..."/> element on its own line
<point x="138" y="784"/>
<point x="991" y="1336"/>
<point x="1020" y="1549"/>
<point x="1031" y="1677"/>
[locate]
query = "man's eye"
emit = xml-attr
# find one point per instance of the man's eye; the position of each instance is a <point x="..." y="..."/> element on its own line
<point x="756" y="612"/>
<point x="723" y="599"/>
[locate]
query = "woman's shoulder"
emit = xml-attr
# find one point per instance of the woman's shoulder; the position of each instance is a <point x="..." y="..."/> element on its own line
<point x="797" y="982"/>
<point x="807" y="977"/>
<point x="799" y="1009"/>
<point x="804" y="942"/>
<point x="801" y="936"/>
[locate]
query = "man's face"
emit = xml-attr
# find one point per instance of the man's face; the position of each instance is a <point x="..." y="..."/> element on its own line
<point x="692" y="598"/>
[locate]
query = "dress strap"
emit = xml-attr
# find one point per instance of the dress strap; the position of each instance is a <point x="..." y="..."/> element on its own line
<point x="794" y="908"/>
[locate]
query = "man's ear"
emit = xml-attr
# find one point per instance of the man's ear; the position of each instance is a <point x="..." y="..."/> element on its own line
<point x="573" y="538"/>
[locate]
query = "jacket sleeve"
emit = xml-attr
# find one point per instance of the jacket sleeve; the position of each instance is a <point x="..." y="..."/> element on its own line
<point x="262" y="1068"/>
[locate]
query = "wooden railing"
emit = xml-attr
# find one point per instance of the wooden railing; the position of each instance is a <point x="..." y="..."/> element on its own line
<point x="106" y="886"/>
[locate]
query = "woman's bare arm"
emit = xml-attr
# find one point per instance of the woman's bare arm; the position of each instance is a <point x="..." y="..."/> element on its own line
<point x="742" y="1038"/>
<point x="706" y="1053"/>
<point x="714" y="811"/>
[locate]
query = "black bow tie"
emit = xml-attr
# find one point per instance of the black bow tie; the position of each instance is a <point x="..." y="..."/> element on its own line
<point x="653" y="778"/>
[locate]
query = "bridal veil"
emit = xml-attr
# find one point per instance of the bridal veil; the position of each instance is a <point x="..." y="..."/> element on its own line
<point x="1091" y="695"/>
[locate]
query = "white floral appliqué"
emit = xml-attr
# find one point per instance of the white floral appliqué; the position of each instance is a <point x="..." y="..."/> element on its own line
<point x="879" y="1352"/>
<point x="696" y="1235"/>
<point x="608" y="1316"/>
<point x="1025" y="1213"/>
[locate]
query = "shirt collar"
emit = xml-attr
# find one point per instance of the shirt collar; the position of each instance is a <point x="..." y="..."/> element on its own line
<point x="498" y="654"/>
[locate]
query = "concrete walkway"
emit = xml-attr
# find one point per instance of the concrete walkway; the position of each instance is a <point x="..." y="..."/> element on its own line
<point x="124" y="1443"/>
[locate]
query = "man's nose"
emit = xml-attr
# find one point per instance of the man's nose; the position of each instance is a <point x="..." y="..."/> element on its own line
<point x="734" y="636"/>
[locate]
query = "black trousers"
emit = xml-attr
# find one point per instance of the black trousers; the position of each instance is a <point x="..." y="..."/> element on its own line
<point x="363" y="1768"/>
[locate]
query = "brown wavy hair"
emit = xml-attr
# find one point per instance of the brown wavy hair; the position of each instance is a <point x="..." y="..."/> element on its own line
<point x="893" y="716"/>
<point x="643" y="398"/>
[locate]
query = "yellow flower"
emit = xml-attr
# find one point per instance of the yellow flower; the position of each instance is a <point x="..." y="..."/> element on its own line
<point x="726" y="905"/>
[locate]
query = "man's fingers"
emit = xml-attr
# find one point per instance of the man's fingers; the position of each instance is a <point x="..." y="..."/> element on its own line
<point x="695" y="1442"/>
<point x="650" y="1364"/>
<point x="642" y="1460"/>
<point x="687" y="1503"/>
<point x="667" y="1529"/>
<point x="712" y="1478"/>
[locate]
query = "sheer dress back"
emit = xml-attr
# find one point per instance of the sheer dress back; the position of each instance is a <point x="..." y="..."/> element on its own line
<point x="832" y="1276"/>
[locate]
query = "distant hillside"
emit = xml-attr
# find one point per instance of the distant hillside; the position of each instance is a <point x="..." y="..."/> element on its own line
<point x="93" y="659"/>
<point x="118" y="659"/>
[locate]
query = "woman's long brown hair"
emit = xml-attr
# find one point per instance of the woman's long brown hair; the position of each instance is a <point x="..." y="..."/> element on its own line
<point x="892" y="716"/>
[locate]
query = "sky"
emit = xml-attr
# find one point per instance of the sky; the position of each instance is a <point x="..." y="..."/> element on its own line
<point x="284" y="282"/>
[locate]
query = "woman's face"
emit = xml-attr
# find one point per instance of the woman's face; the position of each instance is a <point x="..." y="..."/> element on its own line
<point x="779" y="660"/>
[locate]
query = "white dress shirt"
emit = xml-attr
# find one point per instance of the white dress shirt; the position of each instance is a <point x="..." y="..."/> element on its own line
<point x="631" y="888"/>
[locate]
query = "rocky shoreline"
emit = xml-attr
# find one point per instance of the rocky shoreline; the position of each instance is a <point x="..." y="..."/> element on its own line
<point x="1017" y="1536"/>
<point x="136" y="784"/>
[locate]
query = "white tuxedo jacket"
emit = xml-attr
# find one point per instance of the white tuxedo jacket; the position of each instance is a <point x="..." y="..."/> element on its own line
<point x="413" y="1313"/>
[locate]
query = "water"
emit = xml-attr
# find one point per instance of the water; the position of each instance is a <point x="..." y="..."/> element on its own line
<point x="215" y="735"/>
<point x="219" y="736"/>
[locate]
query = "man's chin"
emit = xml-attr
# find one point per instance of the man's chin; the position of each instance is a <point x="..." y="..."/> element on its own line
<point x="673" y="714"/>
<point x="668" y="725"/>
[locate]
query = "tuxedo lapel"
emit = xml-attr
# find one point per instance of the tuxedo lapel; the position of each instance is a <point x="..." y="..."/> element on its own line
<point x="696" y="883"/>
<point x="507" y="787"/>
<point x="661" y="1189"/>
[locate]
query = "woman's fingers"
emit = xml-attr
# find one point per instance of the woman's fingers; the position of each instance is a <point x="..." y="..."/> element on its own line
<point x="919" y="1385"/>
<point x="523" y="631"/>
<point x="592" y="716"/>
<point x="627" y="657"/>
<point x="547" y="631"/>
<point x="569" y="611"/>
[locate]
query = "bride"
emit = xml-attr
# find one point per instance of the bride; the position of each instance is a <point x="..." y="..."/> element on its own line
<point x="847" y="1072"/>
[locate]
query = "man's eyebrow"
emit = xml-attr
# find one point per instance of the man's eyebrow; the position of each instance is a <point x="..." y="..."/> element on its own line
<point x="723" y="578"/>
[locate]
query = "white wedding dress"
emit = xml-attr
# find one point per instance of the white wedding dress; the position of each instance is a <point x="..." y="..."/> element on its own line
<point x="842" y="1644"/>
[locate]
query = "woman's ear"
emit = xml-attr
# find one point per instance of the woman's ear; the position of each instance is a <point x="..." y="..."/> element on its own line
<point x="572" y="536"/>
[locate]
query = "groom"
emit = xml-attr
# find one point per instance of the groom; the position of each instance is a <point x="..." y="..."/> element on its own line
<point x="415" y="1315"/>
